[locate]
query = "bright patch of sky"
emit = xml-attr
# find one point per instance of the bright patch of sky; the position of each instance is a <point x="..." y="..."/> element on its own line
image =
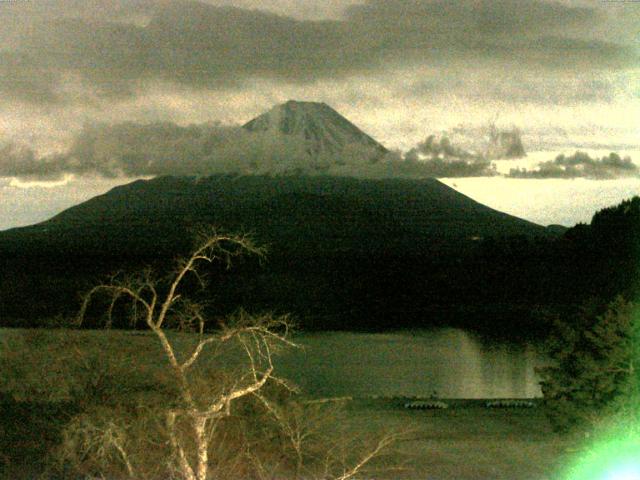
<point x="26" y="203"/>
<point x="549" y="201"/>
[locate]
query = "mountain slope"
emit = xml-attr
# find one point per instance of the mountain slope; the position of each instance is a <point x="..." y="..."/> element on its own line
<point x="306" y="215"/>
<point x="343" y="253"/>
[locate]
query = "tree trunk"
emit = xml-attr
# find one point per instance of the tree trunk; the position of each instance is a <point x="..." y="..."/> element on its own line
<point x="199" y="424"/>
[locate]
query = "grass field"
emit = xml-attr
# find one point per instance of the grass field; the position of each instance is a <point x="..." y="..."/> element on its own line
<point x="467" y="441"/>
<point x="461" y="443"/>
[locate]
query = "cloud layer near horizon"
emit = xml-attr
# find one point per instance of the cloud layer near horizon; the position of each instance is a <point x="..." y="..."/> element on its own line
<point x="129" y="150"/>
<point x="135" y="150"/>
<point x="581" y="165"/>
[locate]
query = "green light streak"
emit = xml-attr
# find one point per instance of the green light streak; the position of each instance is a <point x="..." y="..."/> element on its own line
<point x="615" y="452"/>
<point x="613" y="459"/>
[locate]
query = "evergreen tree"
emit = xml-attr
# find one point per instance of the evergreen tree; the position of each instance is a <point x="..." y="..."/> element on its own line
<point x="592" y="361"/>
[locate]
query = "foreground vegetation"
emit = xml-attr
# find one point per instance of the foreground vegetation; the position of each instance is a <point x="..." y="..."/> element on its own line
<point x="201" y="406"/>
<point x="468" y="442"/>
<point x="46" y="390"/>
<point x="55" y="376"/>
<point x="175" y="399"/>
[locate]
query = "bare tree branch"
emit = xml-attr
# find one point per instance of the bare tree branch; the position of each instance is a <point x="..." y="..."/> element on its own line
<point x="114" y="290"/>
<point x="253" y="334"/>
<point x="382" y="444"/>
<point x="196" y="353"/>
<point x="185" y="468"/>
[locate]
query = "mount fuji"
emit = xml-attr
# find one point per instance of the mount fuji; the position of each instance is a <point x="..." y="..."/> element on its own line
<point x="338" y="244"/>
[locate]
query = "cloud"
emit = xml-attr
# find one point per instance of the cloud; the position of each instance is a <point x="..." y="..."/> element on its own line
<point x="26" y="80"/>
<point x="581" y="165"/>
<point x="140" y="11"/>
<point x="299" y="9"/>
<point x="131" y="150"/>
<point x="115" y="46"/>
<point x="439" y="156"/>
<point x="135" y="150"/>
<point x="442" y="147"/>
<point x="440" y="168"/>
<point x="164" y="148"/>
<point x="20" y="161"/>
<point x="518" y="86"/>
<point x="122" y="11"/>
<point x="488" y="17"/>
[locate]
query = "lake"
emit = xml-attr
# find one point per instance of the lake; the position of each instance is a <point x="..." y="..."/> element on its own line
<point x="447" y="362"/>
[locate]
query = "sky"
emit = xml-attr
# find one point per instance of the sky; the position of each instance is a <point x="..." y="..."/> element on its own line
<point x="73" y="72"/>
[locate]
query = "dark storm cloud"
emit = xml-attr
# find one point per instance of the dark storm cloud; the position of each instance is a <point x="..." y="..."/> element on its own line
<point x="25" y="79"/>
<point x="112" y="45"/>
<point x="534" y="89"/>
<point x="482" y="17"/>
<point x="127" y="11"/>
<point x="581" y="165"/>
<point x="17" y="160"/>
<point x="519" y="87"/>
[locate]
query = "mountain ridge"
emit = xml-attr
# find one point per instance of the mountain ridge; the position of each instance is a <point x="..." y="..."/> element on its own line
<point x="406" y="213"/>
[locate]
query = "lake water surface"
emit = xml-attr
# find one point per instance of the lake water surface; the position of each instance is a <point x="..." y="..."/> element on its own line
<point x="447" y="362"/>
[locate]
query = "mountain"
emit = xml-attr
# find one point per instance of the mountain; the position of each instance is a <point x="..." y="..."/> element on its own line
<point x="307" y="214"/>
<point x="343" y="253"/>
<point x="324" y="130"/>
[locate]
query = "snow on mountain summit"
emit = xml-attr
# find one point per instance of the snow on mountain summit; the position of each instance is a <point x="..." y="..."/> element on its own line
<point x="324" y="130"/>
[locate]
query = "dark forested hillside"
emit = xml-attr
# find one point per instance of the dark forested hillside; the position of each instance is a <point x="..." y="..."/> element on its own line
<point x="606" y="253"/>
<point x="343" y="252"/>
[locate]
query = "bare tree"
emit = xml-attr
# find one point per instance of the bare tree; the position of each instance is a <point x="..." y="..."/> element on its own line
<point x="321" y="444"/>
<point x="191" y="422"/>
<point x="258" y="336"/>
